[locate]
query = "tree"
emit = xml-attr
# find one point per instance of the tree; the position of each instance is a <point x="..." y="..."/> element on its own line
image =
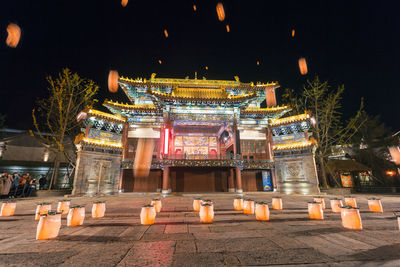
<point x="325" y="105"/>
<point x="68" y="95"/>
<point x="370" y="145"/>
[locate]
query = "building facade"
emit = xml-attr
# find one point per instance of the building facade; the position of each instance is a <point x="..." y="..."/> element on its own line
<point x="206" y="136"/>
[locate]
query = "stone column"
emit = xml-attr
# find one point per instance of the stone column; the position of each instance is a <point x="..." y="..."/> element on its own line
<point x="231" y="182"/>
<point x="165" y="184"/>
<point x="270" y="154"/>
<point x="239" y="188"/>
<point x="125" y="149"/>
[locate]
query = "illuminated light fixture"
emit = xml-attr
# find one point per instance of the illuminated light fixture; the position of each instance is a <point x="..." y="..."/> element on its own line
<point x="220" y="11"/>
<point x="166" y="33"/>
<point x="159" y="61"/>
<point x="227" y="28"/>
<point x="46" y="156"/>
<point x="293" y="32"/>
<point x="194" y="7"/>
<point x="206" y="67"/>
<point x="313" y="121"/>
<point x="390" y="173"/>
<point x="166" y="141"/>
<point x="303" y="66"/>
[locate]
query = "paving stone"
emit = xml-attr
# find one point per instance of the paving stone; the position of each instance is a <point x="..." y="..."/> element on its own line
<point x="185" y="246"/>
<point x="237" y="244"/>
<point x="204" y="259"/>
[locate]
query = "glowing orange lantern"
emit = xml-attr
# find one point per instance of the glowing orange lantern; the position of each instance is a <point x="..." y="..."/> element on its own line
<point x="350" y="201"/>
<point x="315" y="210"/>
<point x="98" y="209"/>
<point x="8" y="209"/>
<point x="113" y="81"/>
<point x="206" y="201"/>
<point x="124" y="3"/>
<point x="375" y="205"/>
<point x="76" y="216"/>
<point x="320" y="200"/>
<point x="262" y="211"/>
<point x="206" y="213"/>
<point x="49" y="226"/>
<point x="206" y="68"/>
<point x="258" y="63"/>
<point x="148" y="215"/>
<point x="303" y="66"/>
<point x="41" y="209"/>
<point x="14" y="34"/>
<point x="63" y="206"/>
<point x="159" y="61"/>
<point x="336" y="205"/>
<point x="196" y="204"/>
<point x="194" y="7"/>
<point x="166" y="33"/>
<point x="277" y="203"/>
<point x="293" y="33"/>
<point x="220" y="11"/>
<point x="227" y="28"/>
<point x="156" y="202"/>
<point x="351" y="218"/>
<point x="248" y="206"/>
<point x="238" y="203"/>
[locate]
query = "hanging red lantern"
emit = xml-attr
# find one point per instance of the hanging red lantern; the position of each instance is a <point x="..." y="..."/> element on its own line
<point x="220" y="12"/>
<point x="124" y="3"/>
<point x="113" y="78"/>
<point x="303" y="66"/>
<point x="14" y="35"/>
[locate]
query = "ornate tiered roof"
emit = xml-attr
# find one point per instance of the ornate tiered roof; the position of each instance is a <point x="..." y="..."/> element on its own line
<point x="290" y="120"/>
<point x="106" y="116"/>
<point x="138" y="107"/>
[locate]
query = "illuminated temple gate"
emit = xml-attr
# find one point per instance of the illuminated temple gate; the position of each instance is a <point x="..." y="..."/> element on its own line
<point x="209" y="135"/>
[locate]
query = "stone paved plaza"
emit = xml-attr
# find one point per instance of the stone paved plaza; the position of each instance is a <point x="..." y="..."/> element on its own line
<point x="179" y="239"/>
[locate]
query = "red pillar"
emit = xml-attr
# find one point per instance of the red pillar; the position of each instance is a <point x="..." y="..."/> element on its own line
<point x="125" y="148"/>
<point x="239" y="188"/>
<point x="165" y="184"/>
<point x="231" y="182"/>
<point x="270" y="153"/>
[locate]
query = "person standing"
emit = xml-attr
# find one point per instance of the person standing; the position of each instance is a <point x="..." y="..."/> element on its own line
<point x="42" y="182"/>
<point x="7" y="185"/>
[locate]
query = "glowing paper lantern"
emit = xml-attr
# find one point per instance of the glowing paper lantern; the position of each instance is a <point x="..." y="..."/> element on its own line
<point x="315" y="211"/>
<point x="248" y="206"/>
<point x="293" y="33"/>
<point x="166" y="33"/>
<point x="41" y="209"/>
<point x="113" y="81"/>
<point x="148" y="215"/>
<point x="156" y="202"/>
<point x="98" y="209"/>
<point x="124" y="3"/>
<point x="258" y="63"/>
<point x="277" y="203"/>
<point x="76" y="216"/>
<point x="351" y="218"/>
<point x="220" y="11"/>
<point x="49" y="226"/>
<point x="14" y="34"/>
<point x="206" y="68"/>
<point x="63" y="206"/>
<point x="206" y="213"/>
<point x="238" y="203"/>
<point x="227" y="28"/>
<point x="336" y="205"/>
<point x="143" y="157"/>
<point x="303" y="66"/>
<point x="196" y="204"/>
<point x="350" y="201"/>
<point x="320" y="200"/>
<point x="375" y="205"/>
<point x="194" y="7"/>
<point x="159" y="61"/>
<point x="8" y="209"/>
<point x="262" y="211"/>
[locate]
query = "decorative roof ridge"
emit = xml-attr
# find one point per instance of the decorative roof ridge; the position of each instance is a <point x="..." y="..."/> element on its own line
<point x="129" y="106"/>
<point x="296" y="145"/>
<point x="101" y="143"/>
<point x="103" y="115"/>
<point x="291" y="119"/>
<point x="268" y="110"/>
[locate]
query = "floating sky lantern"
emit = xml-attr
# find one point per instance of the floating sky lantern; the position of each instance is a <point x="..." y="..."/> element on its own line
<point x="143" y="157"/>
<point x="206" y="67"/>
<point x="41" y="209"/>
<point x="293" y="32"/>
<point x="156" y="202"/>
<point x="303" y="66"/>
<point x="350" y="201"/>
<point x="124" y="3"/>
<point x="194" y="7"/>
<point x="375" y="205"/>
<point x="277" y="203"/>
<point x="196" y="204"/>
<point x="113" y="81"/>
<point x="238" y="203"/>
<point x="166" y="33"/>
<point x="220" y="11"/>
<point x="49" y="226"/>
<point x="248" y="206"/>
<point x="336" y="205"/>
<point x="315" y="210"/>
<point x="258" y="63"/>
<point x="8" y="208"/>
<point x="227" y="28"/>
<point x="148" y="215"/>
<point x="262" y="211"/>
<point x="159" y="61"/>
<point x="320" y="200"/>
<point x="14" y="35"/>
<point x="98" y="209"/>
<point x="206" y="213"/>
<point x="63" y="206"/>
<point x="351" y="218"/>
<point x="76" y="216"/>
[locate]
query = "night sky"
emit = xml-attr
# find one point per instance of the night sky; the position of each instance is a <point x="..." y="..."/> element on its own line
<point x="356" y="43"/>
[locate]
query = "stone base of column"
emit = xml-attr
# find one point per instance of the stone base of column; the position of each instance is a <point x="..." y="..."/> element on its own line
<point x="231" y="190"/>
<point x="121" y="191"/>
<point x="165" y="192"/>
<point x="239" y="191"/>
<point x="158" y="190"/>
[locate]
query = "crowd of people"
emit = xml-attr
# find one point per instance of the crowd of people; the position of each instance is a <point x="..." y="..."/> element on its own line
<point x="14" y="185"/>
